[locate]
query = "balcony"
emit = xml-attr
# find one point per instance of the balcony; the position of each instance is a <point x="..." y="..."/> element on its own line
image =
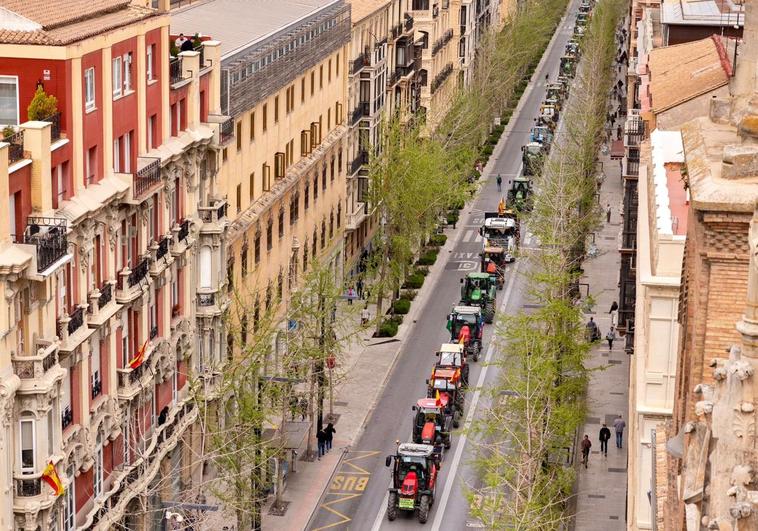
<point x="175" y="73"/>
<point x="97" y="388"/>
<point x="48" y="235"/>
<point x="67" y="418"/>
<point x="363" y="109"/>
<point x="408" y="24"/>
<point x="35" y="367"/>
<point x="16" y="147"/>
<point x="106" y="295"/>
<point x="442" y="42"/>
<point x="441" y="78"/>
<point x="138" y="274"/>
<point x="632" y="167"/>
<point x="55" y="127"/>
<point x="357" y="64"/>
<point x="148" y="176"/>
<point x="162" y="248"/>
<point x="183" y="230"/>
<point x="206" y="299"/>
<point x="355" y="218"/>
<point x="358" y="162"/>
<point x="73" y="322"/>
<point x="225" y="128"/>
<point x="215" y="213"/>
<point x="396" y="31"/>
<point x="27" y="487"/>
<point x="130" y="381"/>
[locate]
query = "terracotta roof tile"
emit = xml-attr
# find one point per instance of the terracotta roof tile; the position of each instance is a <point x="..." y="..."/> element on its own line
<point x="681" y="72"/>
<point x="66" y="21"/>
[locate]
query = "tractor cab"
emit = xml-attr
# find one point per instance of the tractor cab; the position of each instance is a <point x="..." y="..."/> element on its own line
<point x="499" y="239"/>
<point x="579" y="29"/>
<point x="555" y="92"/>
<point x="465" y="325"/>
<point x="585" y="6"/>
<point x="431" y="425"/>
<point x="531" y="157"/>
<point x="446" y="381"/>
<point x="454" y="355"/>
<point x="568" y="66"/>
<point x="478" y="289"/>
<point x="549" y="113"/>
<point x="572" y="48"/>
<point x="582" y="18"/>
<point x="541" y="134"/>
<point x="414" y="479"/>
<point x="519" y="193"/>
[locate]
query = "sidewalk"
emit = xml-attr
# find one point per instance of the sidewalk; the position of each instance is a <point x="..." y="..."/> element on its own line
<point x="601" y="488"/>
<point x="365" y="369"/>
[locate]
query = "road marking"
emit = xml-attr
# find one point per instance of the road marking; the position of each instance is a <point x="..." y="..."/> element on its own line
<point x="467" y="235"/>
<point x="451" y="479"/>
<point x="345" y="518"/>
<point x="440" y="512"/>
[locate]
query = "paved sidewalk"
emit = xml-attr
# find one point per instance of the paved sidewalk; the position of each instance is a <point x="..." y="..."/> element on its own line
<point x="601" y="488"/>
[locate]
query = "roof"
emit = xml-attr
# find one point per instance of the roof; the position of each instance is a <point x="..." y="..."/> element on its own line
<point x="421" y="450"/>
<point x="451" y="347"/>
<point x="669" y="194"/>
<point x="238" y="25"/>
<point x="500" y="223"/>
<point x="702" y="13"/>
<point x="478" y="275"/>
<point x="682" y="72"/>
<point x="60" y="22"/>
<point x="428" y="403"/>
<point x="467" y="309"/>
<point x="361" y="9"/>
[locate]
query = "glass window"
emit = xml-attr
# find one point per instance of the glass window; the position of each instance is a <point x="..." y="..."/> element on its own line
<point x="205" y="267"/>
<point x="9" y="100"/>
<point x="97" y="475"/>
<point x="127" y="72"/>
<point x="150" y="53"/>
<point x="116" y="71"/>
<point x="69" y="507"/>
<point x="89" y="88"/>
<point x="27" y="445"/>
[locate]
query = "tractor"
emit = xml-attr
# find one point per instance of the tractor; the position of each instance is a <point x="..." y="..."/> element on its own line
<point x="465" y="325"/>
<point x="572" y="48"/>
<point x="542" y="135"/>
<point x="414" y="478"/>
<point x="446" y="382"/>
<point x="454" y="355"/>
<point x="532" y="155"/>
<point x="478" y="290"/>
<point x="549" y="114"/>
<point x="432" y="424"/>
<point x="568" y="66"/>
<point x="556" y="92"/>
<point x="519" y="195"/>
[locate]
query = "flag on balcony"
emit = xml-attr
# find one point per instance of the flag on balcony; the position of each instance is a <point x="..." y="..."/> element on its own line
<point x="139" y="357"/>
<point x="51" y="478"/>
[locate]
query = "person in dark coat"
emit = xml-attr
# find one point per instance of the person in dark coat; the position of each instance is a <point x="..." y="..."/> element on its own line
<point x="605" y="435"/>
<point x="329" y="432"/>
<point x="321" y="439"/>
<point x="585" y="445"/>
<point x="187" y="46"/>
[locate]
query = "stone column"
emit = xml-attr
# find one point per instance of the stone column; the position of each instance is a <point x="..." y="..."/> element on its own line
<point x="37" y="143"/>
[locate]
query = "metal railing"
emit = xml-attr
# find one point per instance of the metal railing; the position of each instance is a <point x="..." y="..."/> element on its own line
<point x="26" y="367"/>
<point x="67" y="417"/>
<point x="408" y="24"/>
<point x="206" y="299"/>
<point x="162" y="248"/>
<point x="106" y="294"/>
<point x="147" y="176"/>
<point x="97" y="388"/>
<point x="221" y="211"/>
<point x="183" y="230"/>
<point x="138" y="273"/>
<point x="55" y="127"/>
<point x="358" y="161"/>
<point x="175" y="70"/>
<point x="440" y="78"/>
<point x="361" y="110"/>
<point x="16" y="147"/>
<point x="28" y="487"/>
<point x="154" y="332"/>
<point x="76" y="320"/>
<point x="48" y="235"/>
<point x="632" y="167"/>
<point x="226" y="130"/>
<point x="442" y="41"/>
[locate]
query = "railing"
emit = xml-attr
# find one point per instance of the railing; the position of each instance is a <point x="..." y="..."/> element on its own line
<point x="440" y="78"/>
<point x="28" y="487"/>
<point x="362" y="109"/>
<point x="629" y="240"/>
<point x="106" y="294"/>
<point x="393" y="79"/>
<point x="221" y="211"/>
<point x="97" y="388"/>
<point x="162" y="248"/>
<point x="358" y="161"/>
<point x="138" y="273"/>
<point x="16" y="148"/>
<point x="183" y="230"/>
<point x="49" y="236"/>
<point x="55" y="128"/>
<point x="175" y="70"/>
<point x="354" y="218"/>
<point x="226" y="130"/>
<point x="129" y="376"/>
<point x="359" y="62"/>
<point x="30" y="367"/>
<point x="147" y="176"/>
<point x="67" y="417"/>
<point x="201" y="50"/>
<point x="442" y="41"/>
<point x="632" y="167"/>
<point x="206" y="299"/>
<point x="76" y="320"/>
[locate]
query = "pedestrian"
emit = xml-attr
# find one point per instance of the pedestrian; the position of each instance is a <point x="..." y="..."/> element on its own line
<point x="610" y="336"/>
<point x="618" y="426"/>
<point x="365" y="315"/>
<point x="499" y="181"/>
<point x="187" y="46"/>
<point x="614" y="307"/>
<point x="618" y="132"/>
<point x="303" y="408"/>
<point x="605" y="435"/>
<point x="608" y="213"/>
<point x="180" y="40"/>
<point x="593" y="334"/>
<point x="293" y="407"/>
<point x="586" y="444"/>
<point x="329" y="432"/>
<point x="321" y="440"/>
<point x="350" y="296"/>
<point x="359" y="286"/>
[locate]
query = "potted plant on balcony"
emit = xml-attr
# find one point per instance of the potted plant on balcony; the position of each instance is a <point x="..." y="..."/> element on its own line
<point x="42" y="106"/>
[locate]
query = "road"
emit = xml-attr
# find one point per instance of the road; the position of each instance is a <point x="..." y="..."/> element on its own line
<point x="356" y="498"/>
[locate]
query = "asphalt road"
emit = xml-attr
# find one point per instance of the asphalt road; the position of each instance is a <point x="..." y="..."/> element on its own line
<point x="356" y="498"/>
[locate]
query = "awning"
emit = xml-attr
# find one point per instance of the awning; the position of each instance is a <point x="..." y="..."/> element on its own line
<point x="617" y="149"/>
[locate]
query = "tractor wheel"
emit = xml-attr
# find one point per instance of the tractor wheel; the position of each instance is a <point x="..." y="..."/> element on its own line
<point x="448" y="442"/>
<point x="489" y="312"/>
<point x="423" y="509"/>
<point x="392" y="506"/>
<point x="456" y="422"/>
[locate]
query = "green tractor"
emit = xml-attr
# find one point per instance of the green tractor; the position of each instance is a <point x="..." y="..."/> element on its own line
<point x="480" y="289"/>
<point x="519" y="196"/>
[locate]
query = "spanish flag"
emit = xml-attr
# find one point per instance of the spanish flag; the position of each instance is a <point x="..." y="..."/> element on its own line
<point x="139" y="357"/>
<point x="51" y="478"/>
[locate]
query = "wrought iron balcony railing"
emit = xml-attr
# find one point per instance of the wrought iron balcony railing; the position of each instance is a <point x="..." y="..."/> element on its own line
<point x="361" y="110"/>
<point x="16" y="147"/>
<point x="28" y="487"/>
<point x="138" y="273"/>
<point x="358" y="161"/>
<point x="175" y="70"/>
<point x="106" y="294"/>
<point x="226" y="130"/>
<point x="67" y="417"/>
<point x="49" y="236"/>
<point x="29" y="367"/>
<point x="147" y="176"/>
<point x="154" y="332"/>
<point x="206" y="299"/>
<point x="55" y="127"/>
<point x="162" y="247"/>
<point x="442" y="41"/>
<point x="441" y="77"/>
<point x="183" y="230"/>
<point x="408" y="23"/>
<point x="97" y="388"/>
<point x="359" y="62"/>
<point x="76" y="320"/>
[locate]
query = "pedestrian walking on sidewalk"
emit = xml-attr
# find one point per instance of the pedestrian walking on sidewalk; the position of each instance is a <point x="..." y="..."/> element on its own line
<point x="350" y="296"/>
<point x="618" y="426"/>
<point x="608" y="211"/>
<point x="605" y="435"/>
<point x="365" y="315"/>
<point x="586" y="444"/>
<point x="618" y="132"/>
<point x="610" y="336"/>
<point x="329" y="432"/>
<point x="614" y="312"/>
<point x="499" y="182"/>
<point x="321" y="439"/>
<point x="593" y="333"/>
<point x="359" y="286"/>
<point x="303" y="408"/>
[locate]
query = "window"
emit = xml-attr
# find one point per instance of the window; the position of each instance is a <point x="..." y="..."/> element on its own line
<point x="9" y="100"/>
<point x="314" y="244"/>
<point x="239" y="135"/>
<point x="239" y="198"/>
<point x="127" y="72"/>
<point x="97" y="475"/>
<point x="323" y="233"/>
<point x="90" y="165"/>
<point x="321" y="77"/>
<point x="116" y="72"/>
<point x="265" y="117"/>
<point x="230" y="275"/>
<point x="117" y="155"/>
<point x="206" y="258"/>
<point x="313" y="81"/>
<point x="149" y="62"/>
<point x="127" y="152"/>
<point x="69" y="497"/>
<point x="59" y="183"/>
<point x="266" y="173"/>
<point x="294" y="208"/>
<point x="276" y="109"/>
<point x="89" y="89"/>
<point x="329" y="72"/>
<point x="252" y="126"/>
<point x="323" y="177"/>
<point x="337" y="66"/>
<point x="281" y="223"/>
<point x="257" y="247"/>
<point x="328" y="118"/>
<point x="269" y="234"/>
<point x="338" y="113"/>
<point x="252" y="186"/>
<point x="315" y="188"/>
<point x="302" y="90"/>
<point x="95" y="369"/>
<point x="151" y="133"/>
<point x="28" y="444"/>
<point x="331" y="224"/>
<point x="305" y="198"/>
<point x="305" y="142"/>
<point x="332" y="170"/>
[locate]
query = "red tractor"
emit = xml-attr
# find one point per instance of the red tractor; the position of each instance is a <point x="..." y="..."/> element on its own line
<point x="432" y="424"/>
<point x="447" y="382"/>
<point x="454" y="355"/>
<point x="414" y="479"/>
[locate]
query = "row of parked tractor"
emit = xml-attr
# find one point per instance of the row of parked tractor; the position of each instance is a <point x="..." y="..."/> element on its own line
<point x="416" y="464"/>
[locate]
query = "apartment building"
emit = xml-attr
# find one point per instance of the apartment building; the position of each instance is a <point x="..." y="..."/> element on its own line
<point x="98" y="239"/>
<point x="284" y="84"/>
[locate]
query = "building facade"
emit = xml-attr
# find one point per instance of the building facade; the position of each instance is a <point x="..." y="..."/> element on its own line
<point x="106" y="197"/>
